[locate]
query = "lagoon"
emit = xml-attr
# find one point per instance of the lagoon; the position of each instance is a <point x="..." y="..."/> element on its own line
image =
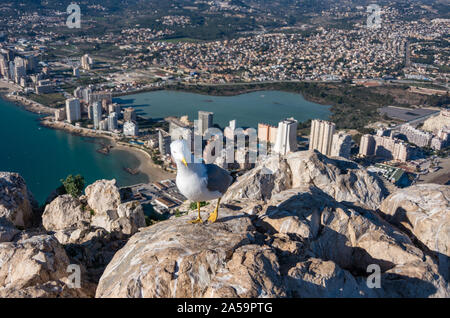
<point x="248" y="109"/>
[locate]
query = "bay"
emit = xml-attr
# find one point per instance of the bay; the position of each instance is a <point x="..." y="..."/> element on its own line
<point x="43" y="156"/>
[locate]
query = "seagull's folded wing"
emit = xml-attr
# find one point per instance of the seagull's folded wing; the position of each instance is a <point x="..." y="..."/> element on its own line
<point x="218" y="179"/>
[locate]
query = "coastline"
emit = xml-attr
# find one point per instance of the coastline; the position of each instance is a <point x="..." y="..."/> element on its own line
<point x="21" y="101"/>
<point x="146" y="166"/>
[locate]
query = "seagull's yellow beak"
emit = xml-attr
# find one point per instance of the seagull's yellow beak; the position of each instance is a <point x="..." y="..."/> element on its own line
<point x="184" y="161"/>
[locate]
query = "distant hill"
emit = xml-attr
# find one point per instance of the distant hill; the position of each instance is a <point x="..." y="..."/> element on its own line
<point x="218" y="19"/>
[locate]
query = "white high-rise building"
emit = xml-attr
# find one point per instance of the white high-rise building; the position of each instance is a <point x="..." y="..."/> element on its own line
<point x="130" y="128"/>
<point x="164" y="140"/>
<point x="97" y="114"/>
<point x="286" y="136"/>
<point x="129" y="114"/>
<point x="86" y="92"/>
<point x="112" y="121"/>
<point x="4" y="70"/>
<point x="78" y="92"/>
<point x="367" y="145"/>
<point x="205" y="120"/>
<point x="321" y="137"/>
<point x="86" y="62"/>
<point x="114" y="108"/>
<point x="416" y="136"/>
<point x="19" y="69"/>
<point x="229" y="130"/>
<point x="60" y="114"/>
<point x="73" y="110"/>
<point x="103" y="125"/>
<point x="385" y="147"/>
<point x="341" y="145"/>
<point x="76" y="72"/>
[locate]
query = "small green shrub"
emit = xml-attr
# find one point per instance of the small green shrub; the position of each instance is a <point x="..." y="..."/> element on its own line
<point x="73" y="185"/>
<point x="193" y="205"/>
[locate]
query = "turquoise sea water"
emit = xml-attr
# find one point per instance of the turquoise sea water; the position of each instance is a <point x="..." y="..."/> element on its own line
<point x="43" y="156"/>
<point x="248" y="109"/>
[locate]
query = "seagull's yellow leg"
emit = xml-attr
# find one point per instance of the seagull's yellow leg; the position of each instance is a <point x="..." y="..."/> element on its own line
<point x="213" y="216"/>
<point x="199" y="219"/>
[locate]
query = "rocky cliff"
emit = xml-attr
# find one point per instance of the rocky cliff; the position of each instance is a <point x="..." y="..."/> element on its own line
<point x="302" y="225"/>
<point x="16" y="202"/>
<point x="436" y="123"/>
<point x="423" y="213"/>
<point x="341" y="179"/>
<point x="85" y="232"/>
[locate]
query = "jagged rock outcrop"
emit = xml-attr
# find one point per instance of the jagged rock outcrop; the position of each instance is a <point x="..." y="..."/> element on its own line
<point x="301" y="242"/>
<point x="302" y="225"/>
<point x="37" y="266"/>
<point x="103" y="196"/>
<point x="317" y="278"/>
<point x="173" y="259"/>
<point x="65" y="212"/>
<point x="130" y="218"/>
<point x="92" y="235"/>
<point x="352" y="237"/>
<point x="73" y="219"/>
<point x="342" y="179"/>
<point x="32" y="262"/>
<point x="436" y="123"/>
<point x="108" y="211"/>
<point x="7" y="230"/>
<point x="271" y="177"/>
<point x="16" y="202"/>
<point x="423" y="212"/>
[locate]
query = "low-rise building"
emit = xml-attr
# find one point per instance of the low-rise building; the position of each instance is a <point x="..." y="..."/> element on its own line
<point x="60" y="114"/>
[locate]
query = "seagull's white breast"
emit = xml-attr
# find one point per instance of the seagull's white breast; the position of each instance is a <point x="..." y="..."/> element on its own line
<point x="192" y="183"/>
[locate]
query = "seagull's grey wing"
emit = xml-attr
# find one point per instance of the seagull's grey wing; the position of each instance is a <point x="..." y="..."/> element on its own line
<point x="218" y="179"/>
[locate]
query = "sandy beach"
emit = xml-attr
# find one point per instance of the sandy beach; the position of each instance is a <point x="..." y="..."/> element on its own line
<point x="146" y="166"/>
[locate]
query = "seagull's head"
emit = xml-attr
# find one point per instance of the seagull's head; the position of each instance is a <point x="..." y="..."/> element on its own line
<point x="180" y="152"/>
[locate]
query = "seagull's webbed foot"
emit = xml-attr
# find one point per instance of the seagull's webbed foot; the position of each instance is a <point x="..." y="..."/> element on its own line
<point x="199" y="218"/>
<point x="213" y="216"/>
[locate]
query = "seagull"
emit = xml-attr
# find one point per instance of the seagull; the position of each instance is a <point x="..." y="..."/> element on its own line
<point x="199" y="182"/>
